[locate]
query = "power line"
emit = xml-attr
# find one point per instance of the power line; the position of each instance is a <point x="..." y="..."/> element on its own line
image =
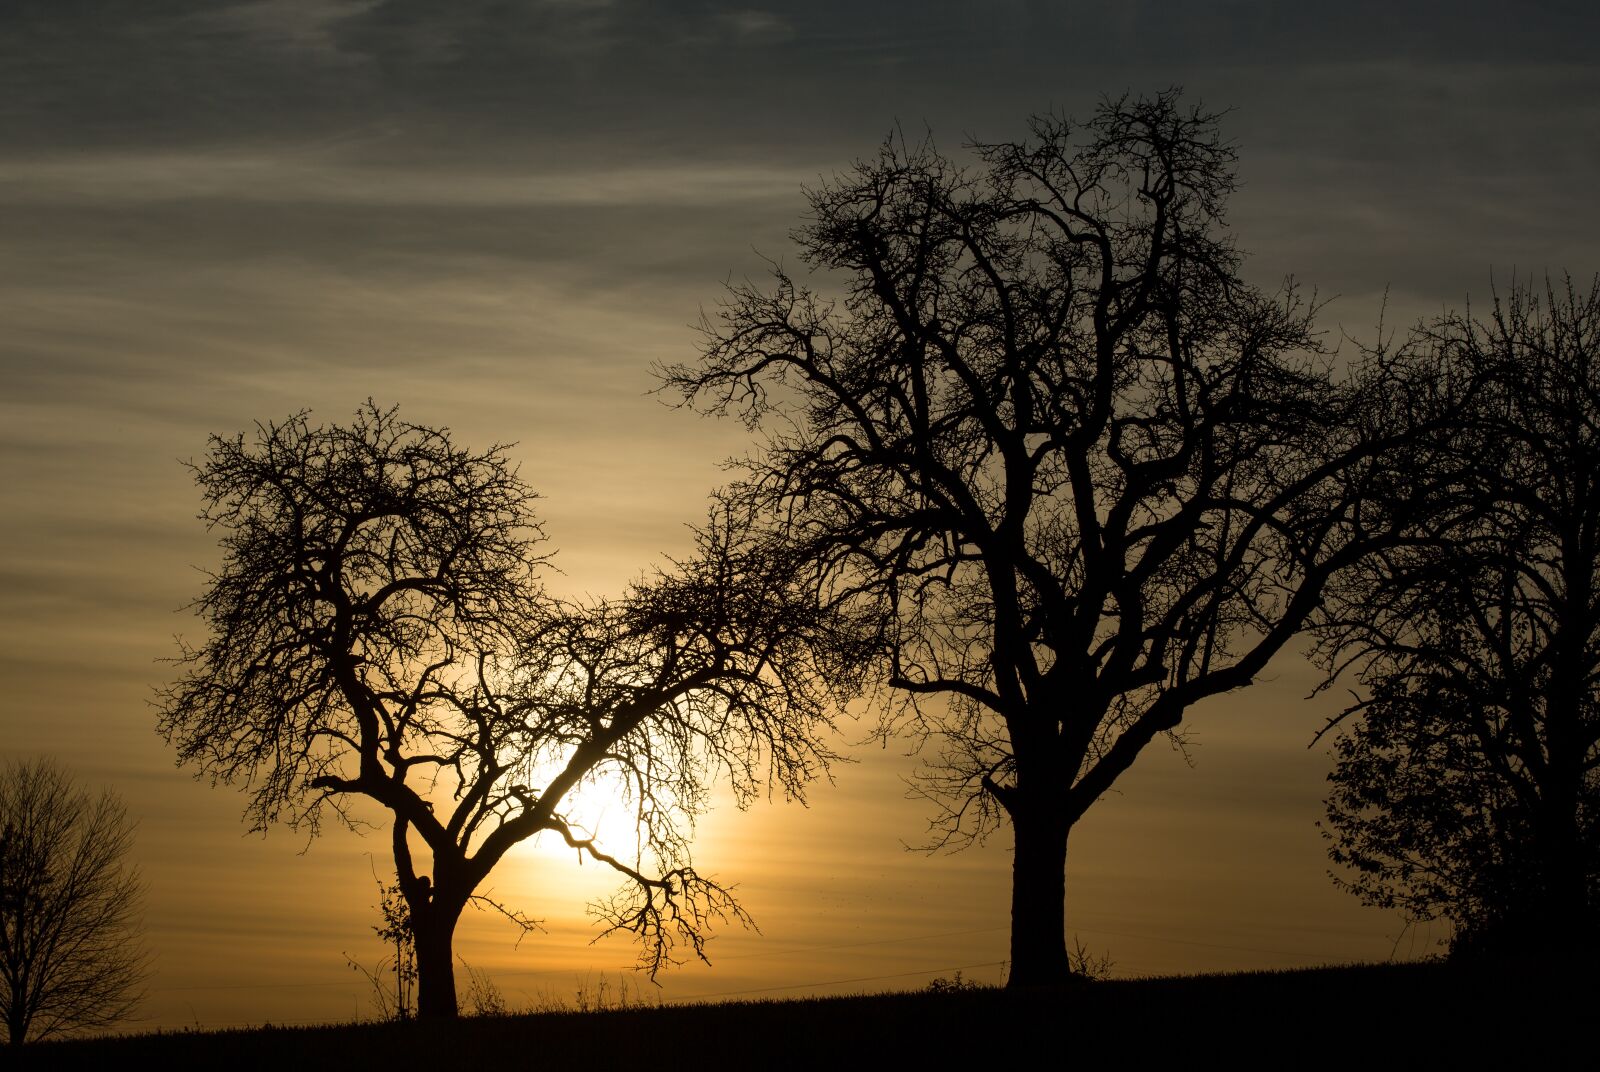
<point x="1207" y="945"/>
<point x="763" y="953"/>
<point x="860" y="945"/>
<point x="837" y="982"/>
<point x="811" y="949"/>
<point x="243" y="986"/>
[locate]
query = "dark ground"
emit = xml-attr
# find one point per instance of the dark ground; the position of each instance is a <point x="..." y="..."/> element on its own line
<point x="1420" y="1015"/>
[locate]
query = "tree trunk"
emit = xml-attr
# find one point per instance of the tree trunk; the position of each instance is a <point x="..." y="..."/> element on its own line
<point x="436" y="969"/>
<point x="1562" y="925"/>
<point x="1038" y="900"/>
<point x="1562" y="922"/>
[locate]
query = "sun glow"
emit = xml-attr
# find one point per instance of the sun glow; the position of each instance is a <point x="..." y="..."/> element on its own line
<point x="601" y="808"/>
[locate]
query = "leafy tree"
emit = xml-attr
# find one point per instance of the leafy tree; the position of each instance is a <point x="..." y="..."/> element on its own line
<point x="378" y="633"/>
<point x="1081" y="473"/>
<point x="1467" y="784"/>
<point x="70" y="959"/>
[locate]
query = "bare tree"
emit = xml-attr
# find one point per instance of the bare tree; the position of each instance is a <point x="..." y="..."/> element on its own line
<point x="70" y="958"/>
<point x="378" y="632"/>
<point x="1467" y="786"/>
<point x="1083" y="474"/>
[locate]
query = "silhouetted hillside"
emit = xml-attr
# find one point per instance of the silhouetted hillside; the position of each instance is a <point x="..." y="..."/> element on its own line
<point x="1359" y="1017"/>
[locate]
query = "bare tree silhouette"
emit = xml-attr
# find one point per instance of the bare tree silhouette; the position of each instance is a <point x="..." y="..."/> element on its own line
<point x="1082" y="472"/>
<point x="1468" y="779"/>
<point x="378" y="632"/>
<point x="70" y="957"/>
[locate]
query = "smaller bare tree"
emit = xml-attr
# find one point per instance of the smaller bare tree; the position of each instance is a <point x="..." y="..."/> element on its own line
<point x="397" y="1002"/>
<point x="69" y="908"/>
<point x="378" y="634"/>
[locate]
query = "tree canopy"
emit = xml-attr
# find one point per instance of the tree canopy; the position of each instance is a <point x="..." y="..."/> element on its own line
<point x="378" y="632"/>
<point x="1029" y="417"/>
<point x="1467" y="784"/>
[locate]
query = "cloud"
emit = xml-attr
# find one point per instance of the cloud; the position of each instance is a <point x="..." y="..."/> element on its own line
<point x="673" y="78"/>
<point x="295" y="175"/>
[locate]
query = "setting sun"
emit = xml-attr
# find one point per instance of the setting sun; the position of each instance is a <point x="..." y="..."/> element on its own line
<point x="798" y="499"/>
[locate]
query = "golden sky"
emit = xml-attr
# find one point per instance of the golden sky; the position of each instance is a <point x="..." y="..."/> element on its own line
<point x="217" y="213"/>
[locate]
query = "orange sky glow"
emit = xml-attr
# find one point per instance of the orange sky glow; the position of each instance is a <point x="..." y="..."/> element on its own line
<point x="506" y="251"/>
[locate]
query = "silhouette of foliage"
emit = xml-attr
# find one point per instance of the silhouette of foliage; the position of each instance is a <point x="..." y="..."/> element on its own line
<point x="1467" y="784"/>
<point x="1086" y="964"/>
<point x="396" y="1002"/>
<point x="378" y="631"/>
<point x="397" y="931"/>
<point x="1081" y="473"/>
<point x="954" y="985"/>
<point x="70" y="958"/>
<point x="484" y="996"/>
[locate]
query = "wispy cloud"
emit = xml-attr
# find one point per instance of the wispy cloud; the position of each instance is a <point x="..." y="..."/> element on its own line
<point x="121" y="177"/>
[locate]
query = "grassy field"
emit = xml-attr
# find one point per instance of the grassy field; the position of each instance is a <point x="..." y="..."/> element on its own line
<point x="1360" y="1017"/>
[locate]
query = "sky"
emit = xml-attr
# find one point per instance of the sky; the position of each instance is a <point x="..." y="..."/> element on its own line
<point x="499" y="216"/>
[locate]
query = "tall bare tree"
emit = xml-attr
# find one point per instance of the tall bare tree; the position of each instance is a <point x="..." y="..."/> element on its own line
<point x="1467" y="786"/>
<point x="1035" y="420"/>
<point x="378" y="632"/>
<point x="70" y="955"/>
